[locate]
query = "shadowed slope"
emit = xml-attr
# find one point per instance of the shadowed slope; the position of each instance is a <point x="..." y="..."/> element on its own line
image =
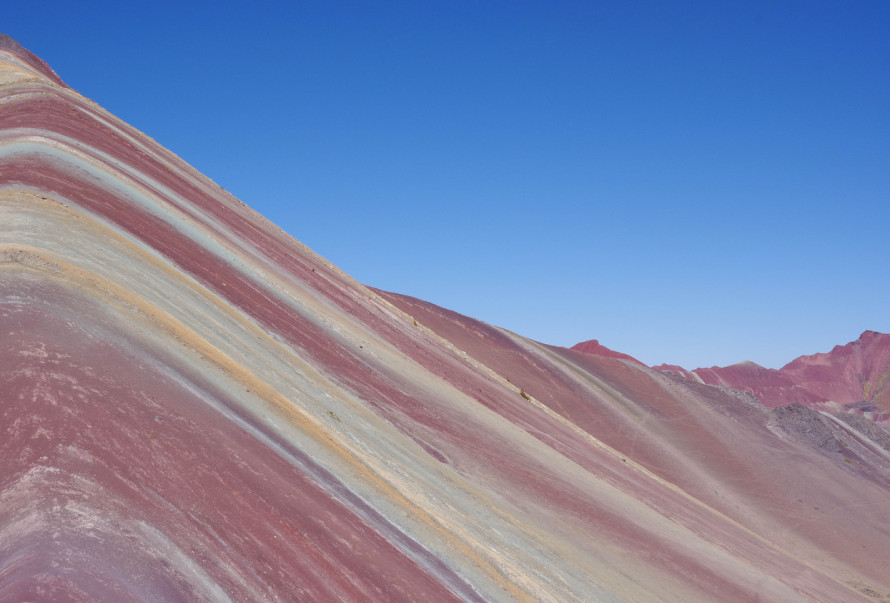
<point x="196" y="406"/>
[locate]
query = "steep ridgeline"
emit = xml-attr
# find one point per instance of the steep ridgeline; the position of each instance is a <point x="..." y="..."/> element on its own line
<point x="595" y="347"/>
<point x="853" y="377"/>
<point x="194" y="406"/>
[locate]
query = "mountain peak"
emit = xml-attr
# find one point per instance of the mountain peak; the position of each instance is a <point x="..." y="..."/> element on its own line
<point x="594" y="347"/>
<point x="36" y="64"/>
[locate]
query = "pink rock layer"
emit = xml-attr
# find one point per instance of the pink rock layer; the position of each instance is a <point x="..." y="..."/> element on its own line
<point x="197" y="407"/>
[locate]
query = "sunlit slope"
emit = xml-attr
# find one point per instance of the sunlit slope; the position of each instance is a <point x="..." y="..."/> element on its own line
<point x="812" y="487"/>
<point x="196" y="406"/>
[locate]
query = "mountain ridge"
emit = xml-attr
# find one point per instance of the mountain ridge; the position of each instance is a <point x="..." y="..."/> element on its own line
<point x="852" y="376"/>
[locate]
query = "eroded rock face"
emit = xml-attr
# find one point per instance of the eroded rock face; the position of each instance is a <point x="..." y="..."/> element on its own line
<point x="849" y="374"/>
<point x="855" y="376"/>
<point x="194" y="406"/>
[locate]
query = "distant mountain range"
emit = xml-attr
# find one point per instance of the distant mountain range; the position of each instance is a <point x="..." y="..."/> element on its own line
<point x="855" y="376"/>
<point x="196" y="407"/>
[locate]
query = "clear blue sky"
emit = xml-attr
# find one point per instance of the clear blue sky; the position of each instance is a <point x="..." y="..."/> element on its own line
<point x="689" y="182"/>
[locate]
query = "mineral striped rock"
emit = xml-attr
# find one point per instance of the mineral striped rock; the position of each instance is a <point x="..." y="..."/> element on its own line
<point x="195" y="406"/>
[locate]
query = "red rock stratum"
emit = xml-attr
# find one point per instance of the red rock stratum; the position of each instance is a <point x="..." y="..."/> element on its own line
<point x="194" y="406"/>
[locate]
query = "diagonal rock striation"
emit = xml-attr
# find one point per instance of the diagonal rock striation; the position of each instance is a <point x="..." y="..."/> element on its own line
<point x="195" y="406"/>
